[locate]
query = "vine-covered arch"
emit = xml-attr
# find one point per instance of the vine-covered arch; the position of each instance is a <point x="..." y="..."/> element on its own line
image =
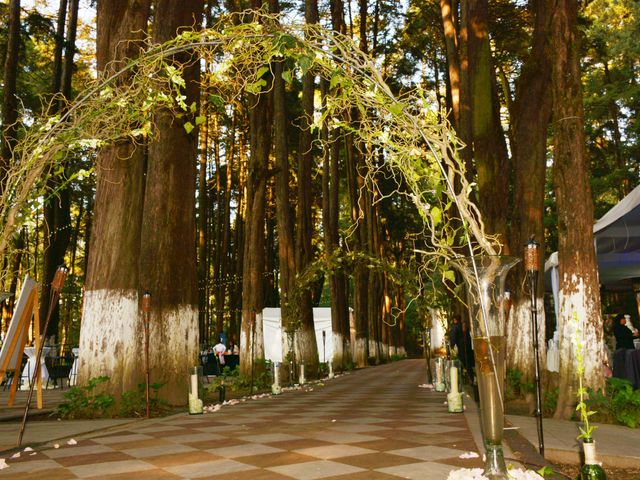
<point x="417" y="145"/>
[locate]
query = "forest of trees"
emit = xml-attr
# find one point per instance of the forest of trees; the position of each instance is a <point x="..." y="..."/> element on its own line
<point x="250" y="197"/>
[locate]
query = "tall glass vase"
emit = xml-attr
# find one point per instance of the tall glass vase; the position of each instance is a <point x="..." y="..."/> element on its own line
<point x="488" y="310"/>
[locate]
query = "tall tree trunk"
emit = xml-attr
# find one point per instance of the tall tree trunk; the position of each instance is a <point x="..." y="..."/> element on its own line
<point x="330" y="218"/>
<point x="579" y="289"/>
<point x="59" y="47"/>
<point x="360" y="347"/>
<point x="57" y="211"/>
<point x="305" y="337"/>
<point x="530" y="114"/>
<point x="251" y="342"/>
<point x="489" y="148"/>
<point x="225" y="269"/>
<point x="338" y="281"/>
<point x="355" y="181"/>
<point x="168" y="255"/>
<point x="110" y="334"/>
<point x="618" y="153"/>
<point x="284" y="214"/>
<point x="203" y="219"/>
<point x="374" y="285"/>
<point x="9" y="99"/>
<point x="253" y="269"/>
<point x="237" y="254"/>
<point x="453" y="60"/>
<point x="465" y="124"/>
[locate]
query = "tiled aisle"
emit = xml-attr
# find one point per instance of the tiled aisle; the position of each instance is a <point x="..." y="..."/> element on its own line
<point x="371" y="424"/>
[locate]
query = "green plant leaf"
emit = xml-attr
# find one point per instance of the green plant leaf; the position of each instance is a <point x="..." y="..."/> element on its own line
<point x="436" y="215"/>
<point x="449" y="275"/>
<point x="546" y="470"/>
<point x="188" y="127"/>
<point x="305" y="63"/>
<point x="261" y="71"/>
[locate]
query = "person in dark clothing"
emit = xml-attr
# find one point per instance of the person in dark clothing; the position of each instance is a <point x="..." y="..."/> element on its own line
<point x="460" y="337"/>
<point x="624" y="336"/>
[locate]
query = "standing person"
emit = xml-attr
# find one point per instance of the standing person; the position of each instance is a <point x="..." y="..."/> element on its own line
<point x="460" y="337"/>
<point x="455" y="333"/>
<point x="219" y="349"/>
<point x="466" y="356"/>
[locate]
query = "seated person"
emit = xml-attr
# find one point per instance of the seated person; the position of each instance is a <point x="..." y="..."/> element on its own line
<point x="624" y="336"/>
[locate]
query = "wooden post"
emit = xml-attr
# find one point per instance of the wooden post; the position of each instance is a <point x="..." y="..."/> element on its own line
<point x="56" y="287"/>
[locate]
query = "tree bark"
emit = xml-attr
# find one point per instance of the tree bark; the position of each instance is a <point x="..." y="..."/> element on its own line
<point x="57" y="211"/>
<point x="453" y="60"/>
<point x="9" y="99"/>
<point x="59" y="47"/>
<point x="110" y="328"/>
<point x="489" y="148"/>
<point x="579" y="290"/>
<point x="203" y="218"/>
<point x="284" y="214"/>
<point x="305" y="338"/>
<point x="331" y="217"/>
<point x="168" y="254"/>
<point x="530" y="116"/>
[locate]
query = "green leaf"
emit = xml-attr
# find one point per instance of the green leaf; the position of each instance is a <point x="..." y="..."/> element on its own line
<point x="188" y="127"/>
<point x="546" y="470"/>
<point x="287" y="76"/>
<point x="449" y="275"/>
<point x="436" y="215"/>
<point x="216" y="100"/>
<point x="397" y="108"/>
<point x="200" y="119"/>
<point x="286" y="41"/>
<point x="255" y="87"/>
<point x="261" y="71"/>
<point x="336" y="79"/>
<point x="193" y="107"/>
<point x="305" y="63"/>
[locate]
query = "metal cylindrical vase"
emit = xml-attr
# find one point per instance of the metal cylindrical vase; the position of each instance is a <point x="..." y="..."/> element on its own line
<point x="488" y="308"/>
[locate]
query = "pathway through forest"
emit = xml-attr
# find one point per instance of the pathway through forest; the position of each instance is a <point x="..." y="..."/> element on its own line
<point x="371" y="424"/>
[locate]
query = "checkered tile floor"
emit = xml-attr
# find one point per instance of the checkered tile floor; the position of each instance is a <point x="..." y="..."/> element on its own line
<point x="371" y="424"/>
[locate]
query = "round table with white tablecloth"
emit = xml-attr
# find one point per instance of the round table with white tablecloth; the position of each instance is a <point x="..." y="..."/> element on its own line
<point x="28" y="372"/>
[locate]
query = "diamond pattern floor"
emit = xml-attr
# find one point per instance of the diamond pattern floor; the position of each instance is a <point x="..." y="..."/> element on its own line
<point x="371" y="424"/>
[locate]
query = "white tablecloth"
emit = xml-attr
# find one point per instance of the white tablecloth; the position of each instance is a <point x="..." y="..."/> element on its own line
<point x="28" y="373"/>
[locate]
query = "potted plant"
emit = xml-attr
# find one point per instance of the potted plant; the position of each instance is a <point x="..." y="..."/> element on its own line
<point x="591" y="468"/>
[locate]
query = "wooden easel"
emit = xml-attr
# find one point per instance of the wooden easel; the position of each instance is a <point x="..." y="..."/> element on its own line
<point x="17" y="336"/>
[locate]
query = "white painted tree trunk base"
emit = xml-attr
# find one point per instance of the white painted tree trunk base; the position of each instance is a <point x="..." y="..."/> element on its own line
<point x="112" y="344"/>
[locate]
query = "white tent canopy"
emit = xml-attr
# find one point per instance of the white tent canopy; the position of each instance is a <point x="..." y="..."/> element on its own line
<point x="273" y="338"/>
<point x="616" y="239"/>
